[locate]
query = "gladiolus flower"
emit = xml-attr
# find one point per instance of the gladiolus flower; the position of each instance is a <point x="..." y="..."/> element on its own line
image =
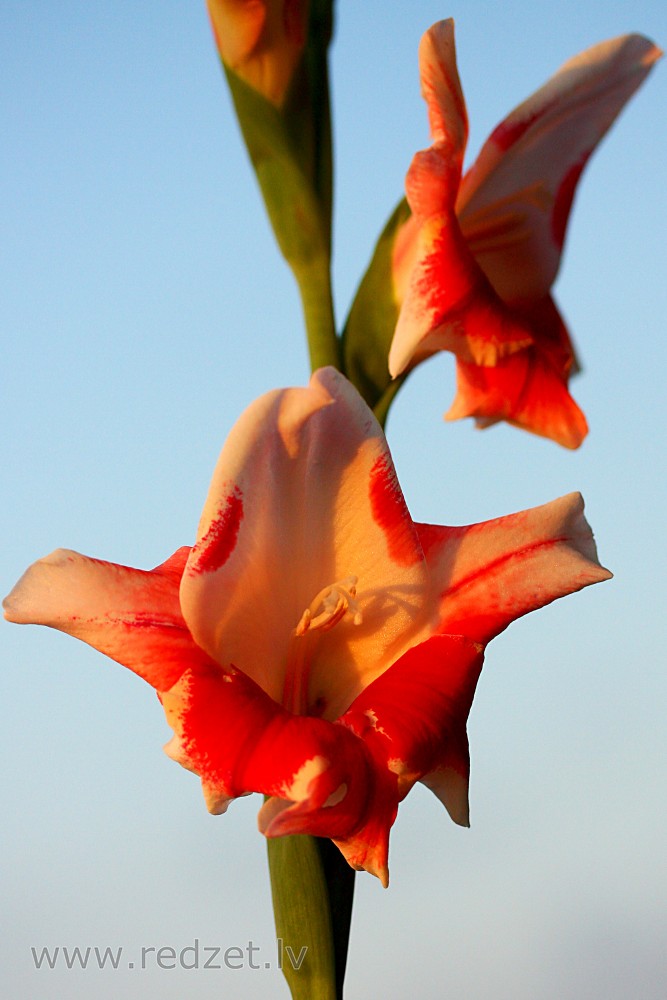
<point x="315" y="644"/>
<point x="261" y="41"/>
<point x="475" y="263"/>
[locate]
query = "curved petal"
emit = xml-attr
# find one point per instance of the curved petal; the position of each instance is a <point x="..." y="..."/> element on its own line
<point x="449" y="779"/>
<point x="524" y="390"/>
<point x="449" y="303"/>
<point x="530" y="388"/>
<point x="411" y="722"/>
<point x="238" y="740"/>
<point x="413" y="718"/>
<point x="490" y="573"/>
<point x="514" y="202"/>
<point x="303" y="502"/>
<point x="361" y="834"/>
<point x="131" y="615"/>
<point x="367" y="849"/>
<point x="441" y="89"/>
<point x="320" y="776"/>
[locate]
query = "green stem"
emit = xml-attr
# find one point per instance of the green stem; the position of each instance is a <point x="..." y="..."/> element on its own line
<point x="340" y="883"/>
<point x="303" y="916"/>
<point x="314" y="280"/>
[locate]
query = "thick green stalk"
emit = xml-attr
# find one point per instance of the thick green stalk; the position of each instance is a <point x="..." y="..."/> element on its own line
<point x="305" y="911"/>
<point x="340" y="883"/>
<point x="314" y="279"/>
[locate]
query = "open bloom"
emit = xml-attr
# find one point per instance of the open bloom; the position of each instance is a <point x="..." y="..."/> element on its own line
<point x="316" y="644"/>
<point x="474" y="265"/>
<point x="261" y="41"/>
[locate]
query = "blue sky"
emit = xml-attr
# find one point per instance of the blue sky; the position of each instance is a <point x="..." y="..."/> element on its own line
<point x="144" y="305"/>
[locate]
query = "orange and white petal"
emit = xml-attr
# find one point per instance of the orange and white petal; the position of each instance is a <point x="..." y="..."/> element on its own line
<point x="130" y="615"/>
<point x="450" y="305"/>
<point x="526" y="391"/>
<point x="491" y="573"/>
<point x="307" y="573"/>
<point x="514" y="202"/>
<point x="442" y="91"/>
<point x="447" y="302"/>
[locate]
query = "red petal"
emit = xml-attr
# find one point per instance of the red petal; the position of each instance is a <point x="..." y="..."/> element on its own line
<point x="525" y="390"/>
<point x="238" y="740"/>
<point x="412" y="720"/>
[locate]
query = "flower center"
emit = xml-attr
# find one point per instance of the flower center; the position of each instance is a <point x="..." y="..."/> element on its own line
<point x="325" y="611"/>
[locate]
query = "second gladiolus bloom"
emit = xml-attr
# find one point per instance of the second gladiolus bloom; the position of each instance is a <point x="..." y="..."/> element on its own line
<point x="475" y="263"/>
<point x="315" y="644"/>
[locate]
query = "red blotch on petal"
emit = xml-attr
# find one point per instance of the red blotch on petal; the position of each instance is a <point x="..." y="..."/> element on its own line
<point x="216" y="546"/>
<point x="512" y="129"/>
<point x="391" y="513"/>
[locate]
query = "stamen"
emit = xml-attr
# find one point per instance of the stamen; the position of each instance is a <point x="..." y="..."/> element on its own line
<point x="329" y="606"/>
<point x="324" y="612"/>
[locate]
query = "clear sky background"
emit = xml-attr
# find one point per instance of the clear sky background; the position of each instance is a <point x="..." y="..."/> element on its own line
<point x="143" y="306"/>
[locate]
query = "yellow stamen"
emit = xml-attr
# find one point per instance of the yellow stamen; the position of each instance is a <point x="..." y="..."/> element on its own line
<point x="325" y="611"/>
<point x="329" y="606"/>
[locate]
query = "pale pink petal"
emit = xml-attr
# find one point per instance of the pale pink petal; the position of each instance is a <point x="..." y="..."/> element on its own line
<point x="490" y="573"/>
<point x="514" y="202"/>
<point x="131" y="615"/>
<point x="303" y="501"/>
